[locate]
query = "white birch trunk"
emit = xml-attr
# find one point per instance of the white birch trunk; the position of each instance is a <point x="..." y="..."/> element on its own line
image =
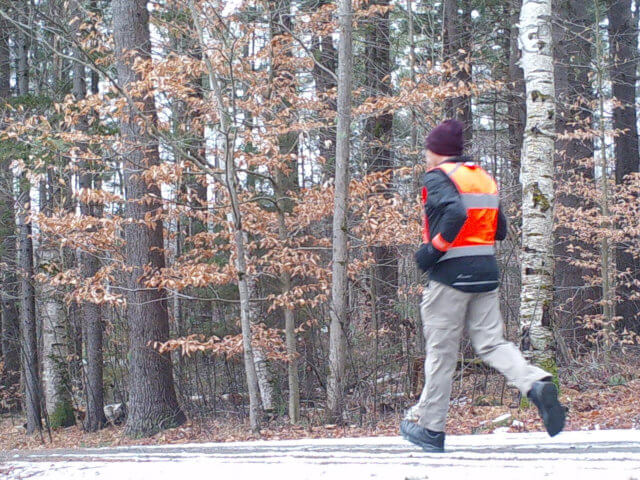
<point x="28" y="328"/>
<point x="263" y="372"/>
<point x="55" y="375"/>
<point x="537" y="180"/>
<point x="338" y="307"/>
<point x="265" y="379"/>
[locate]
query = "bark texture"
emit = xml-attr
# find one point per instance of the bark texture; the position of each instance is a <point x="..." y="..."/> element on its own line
<point x="22" y="73"/>
<point x="5" y="60"/>
<point x="263" y="372"/>
<point x="286" y="181"/>
<point x="573" y="297"/>
<point x="91" y="315"/>
<point x="326" y="56"/>
<point x="537" y="180"/>
<point x="244" y="292"/>
<point x="55" y="374"/>
<point x="517" y="104"/>
<point x="152" y="400"/>
<point x="340" y="253"/>
<point x="379" y="157"/>
<point x="28" y="333"/>
<point x="623" y="35"/>
<point x="10" y="333"/>
<point x="28" y="328"/>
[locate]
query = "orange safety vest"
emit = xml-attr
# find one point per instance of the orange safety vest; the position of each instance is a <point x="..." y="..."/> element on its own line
<point x="479" y="193"/>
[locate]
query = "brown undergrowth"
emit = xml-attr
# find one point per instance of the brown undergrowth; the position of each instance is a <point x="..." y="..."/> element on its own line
<point x="601" y="407"/>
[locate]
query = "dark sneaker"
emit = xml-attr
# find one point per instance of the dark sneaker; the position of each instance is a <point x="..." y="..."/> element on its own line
<point x="426" y="439"/>
<point x="544" y="395"/>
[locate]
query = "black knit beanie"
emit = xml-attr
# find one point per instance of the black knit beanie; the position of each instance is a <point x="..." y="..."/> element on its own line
<point x="446" y="138"/>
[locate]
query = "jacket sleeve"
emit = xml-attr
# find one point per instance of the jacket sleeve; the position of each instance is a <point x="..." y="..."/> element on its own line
<point x="444" y="202"/>
<point x="501" y="231"/>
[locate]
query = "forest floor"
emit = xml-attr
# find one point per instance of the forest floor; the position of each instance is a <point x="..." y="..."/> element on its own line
<point x="599" y="407"/>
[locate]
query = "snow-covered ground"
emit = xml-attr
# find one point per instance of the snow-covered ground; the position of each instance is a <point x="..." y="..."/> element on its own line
<point x="608" y="455"/>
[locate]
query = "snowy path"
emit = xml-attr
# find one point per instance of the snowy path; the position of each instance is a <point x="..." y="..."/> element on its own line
<point x="608" y="455"/>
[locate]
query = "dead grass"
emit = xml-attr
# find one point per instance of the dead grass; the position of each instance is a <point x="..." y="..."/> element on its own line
<point x="605" y="407"/>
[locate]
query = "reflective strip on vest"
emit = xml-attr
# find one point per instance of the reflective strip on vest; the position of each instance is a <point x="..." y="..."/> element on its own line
<point x="480" y="200"/>
<point x="479" y="194"/>
<point x="473" y="251"/>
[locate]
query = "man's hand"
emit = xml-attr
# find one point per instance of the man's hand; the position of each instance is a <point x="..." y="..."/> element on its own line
<point x="427" y="256"/>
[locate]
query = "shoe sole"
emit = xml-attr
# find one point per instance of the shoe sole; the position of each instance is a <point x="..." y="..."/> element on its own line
<point x="553" y="414"/>
<point x="425" y="447"/>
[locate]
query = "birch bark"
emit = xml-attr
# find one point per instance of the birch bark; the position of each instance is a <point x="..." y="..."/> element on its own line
<point x="28" y="336"/>
<point x="537" y="180"/>
<point x="55" y="374"/>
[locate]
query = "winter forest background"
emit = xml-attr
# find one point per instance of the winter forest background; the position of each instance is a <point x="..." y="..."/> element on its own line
<point x="208" y="209"/>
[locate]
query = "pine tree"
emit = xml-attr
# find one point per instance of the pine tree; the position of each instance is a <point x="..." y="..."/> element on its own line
<point x="152" y="399"/>
<point x="623" y="38"/>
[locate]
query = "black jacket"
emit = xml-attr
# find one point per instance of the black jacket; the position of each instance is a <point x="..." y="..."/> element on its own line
<point x="447" y="214"/>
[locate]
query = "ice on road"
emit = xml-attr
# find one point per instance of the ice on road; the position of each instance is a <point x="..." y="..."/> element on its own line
<point x="608" y="455"/>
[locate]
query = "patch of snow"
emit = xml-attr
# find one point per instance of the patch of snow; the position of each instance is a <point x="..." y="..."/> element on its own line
<point x="501" y="430"/>
<point x="502" y="419"/>
<point x="614" y="454"/>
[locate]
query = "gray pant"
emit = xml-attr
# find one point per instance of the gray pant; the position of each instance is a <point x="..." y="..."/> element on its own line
<point x="445" y="313"/>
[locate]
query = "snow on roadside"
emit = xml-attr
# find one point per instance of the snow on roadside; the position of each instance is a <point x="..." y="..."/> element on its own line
<point x="612" y="454"/>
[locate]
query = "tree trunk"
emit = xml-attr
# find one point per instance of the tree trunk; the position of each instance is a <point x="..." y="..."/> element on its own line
<point x="28" y="327"/>
<point x="243" y="288"/>
<point x="190" y="131"/>
<point x="265" y="378"/>
<point x="28" y="335"/>
<point x="10" y="333"/>
<point x="517" y="105"/>
<point x="456" y="49"/>
<point x="22" y="46"/>
<point x="93" y="355"/>
<point x="285" y="182"/>
<point x="5" y="61"/>
<point x="10" y="291"/>
<point x="573" y="298"/>
<point x="53" y="321"/>
<point x="89" y="265"/>
<point x="55" y="372"/>
<point x="340" y="252"/>
<point x="623" y="38"/>
<point x="292" y="352"/>
<point x="378" y="133"/>
<point x="326" y="55"/>
<point x="263" y="372"/>
<point x="226" y="127"/>
<point x="537" y="181"/>
<point x="152" y="399"/>
<point x="605" y="265"/>
<point x="289" y="315"/>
